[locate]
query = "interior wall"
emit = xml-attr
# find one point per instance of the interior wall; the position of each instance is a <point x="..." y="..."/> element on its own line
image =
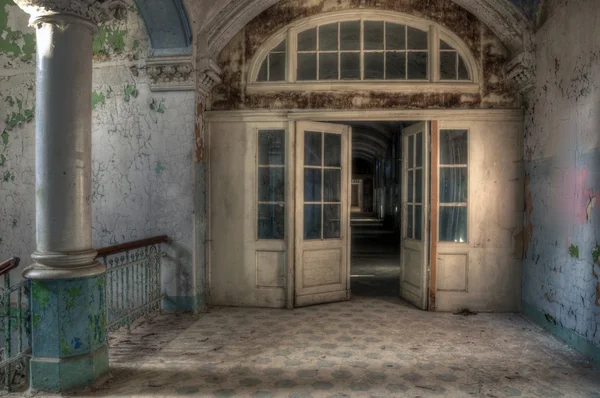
<point x="142" y="149"/>
<point x="561" y="269"/>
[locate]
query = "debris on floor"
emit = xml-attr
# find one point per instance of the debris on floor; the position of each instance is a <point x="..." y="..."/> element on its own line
<point x="465" y="312"/>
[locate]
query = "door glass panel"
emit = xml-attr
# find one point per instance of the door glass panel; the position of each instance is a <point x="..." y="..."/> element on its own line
<point x="373" y="35"/>
<point x="328" y="37"/>
<point x="395" y="36"/>
<point x="350" y="66"/>
<point x="419" y="150"/>
<point x="417" y="65"/>
<point x="418" y="222"/>
<point x="411" y="151"/>
<point x="307" y="66"/>
<point x="271" y="219"/>
<point x="332" y="185"/>
<point x="271" y="150"/>
<point x="374" y="66"/>
<point x="410" y="186"/>
<point x="419" y="186"/>
<point x="331" y="218"/>
<point x="312" y="221"/>
<point x="453" y="184"/>
<point x="312" y="148"/>
<point x="453" y="147"/>
<point x="271" y="184"/>
<point x="307" y="40"/>
<point x="350" y="35"/>
<point x="453" y="224"/>
<point x="409" y="222"/>
<point x="312" y="185"/>
<point x="333" y="150"/>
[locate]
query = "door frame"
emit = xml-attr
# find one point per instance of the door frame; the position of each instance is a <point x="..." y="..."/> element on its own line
<point x="289" y="116"/>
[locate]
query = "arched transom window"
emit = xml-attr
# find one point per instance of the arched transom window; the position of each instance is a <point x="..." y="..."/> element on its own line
<point x="363" y="47"/>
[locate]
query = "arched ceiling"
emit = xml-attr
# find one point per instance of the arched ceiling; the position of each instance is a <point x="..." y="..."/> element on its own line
<point x="168" y="26"/>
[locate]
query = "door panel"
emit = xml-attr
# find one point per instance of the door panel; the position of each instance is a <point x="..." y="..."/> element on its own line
<point x="415" y="211"/>
<point x="322" y="263"/>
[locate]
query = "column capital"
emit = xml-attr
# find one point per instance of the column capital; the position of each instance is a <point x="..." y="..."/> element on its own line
<point x="96" y="11"/>
<point x="171" y="73"/>
<point x="208" y="76"/>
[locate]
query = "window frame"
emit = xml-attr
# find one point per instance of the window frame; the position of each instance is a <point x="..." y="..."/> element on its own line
<point x="467" y="203"/>
<point x="431" y="85"/>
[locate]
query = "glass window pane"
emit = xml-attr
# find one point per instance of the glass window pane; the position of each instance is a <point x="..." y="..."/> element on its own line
<point x="350" y="35"/>
<point x="312" y="185"/>
<point x="281" y="47"/>
<point x="277" y="67"/>
<point x="271" y="147"/>
<point x="307" y="66"/>
<point x="448" y="65"/>
<point x="263" y="73"/>
<point x="312" y="148"/>
<point x="350" y="67"/>
<point x="271" y="184"/>
<point x="453" y="224"/>
<point x="328" y="66"/>
<point x="418" y="222"/>
<point x="454" y="147"/>
<point x="417" y="65"/>
<point x="374" y="66"/>
<point x="333" y="150"/>
<point x="395" y="36"/>
<point x="419" y="186"/>
<point x="419" y="150"/>
<point x="373" y="35"/>
<point x="328" y="37"/>
<point x="417" y="39"/>
<point x="411" y="151"/>
<point x="307" y="40"/>
<point x="331" y="219"/>
<point x="332" y="185"/>
<point x="312" y="221"/>
<point x="395" y="65"/>
<point x="409" y="221"/>
<point x="410" y="186"/>
<point x="453" y="184"/>
<point x="463" y="72"/>
<point x="271" y="219"/>
<point x="445" y="46"/>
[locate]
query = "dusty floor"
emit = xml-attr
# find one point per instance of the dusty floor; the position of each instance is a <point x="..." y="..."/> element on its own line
<point x="367" y="347"/>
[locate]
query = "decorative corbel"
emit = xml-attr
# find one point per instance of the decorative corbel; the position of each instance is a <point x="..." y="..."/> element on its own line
<point x="208" y="77"/>
<point x="521" y="71"/>
<point x="171" y="73"/>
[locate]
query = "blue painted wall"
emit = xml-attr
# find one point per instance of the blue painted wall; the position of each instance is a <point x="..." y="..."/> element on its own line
<point x="528" y="7"/>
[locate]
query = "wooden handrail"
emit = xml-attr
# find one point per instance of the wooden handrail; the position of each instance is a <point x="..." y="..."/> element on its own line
<point x="9" y="265"/>
<point x="138" y="244"/>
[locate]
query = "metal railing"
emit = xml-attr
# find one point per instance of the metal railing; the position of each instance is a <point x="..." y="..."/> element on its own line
<point x="133" y="281"/>
<point x="15" y="325"/>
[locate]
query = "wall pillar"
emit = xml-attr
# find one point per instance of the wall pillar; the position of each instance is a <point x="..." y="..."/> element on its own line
<point x="68" y="333"/>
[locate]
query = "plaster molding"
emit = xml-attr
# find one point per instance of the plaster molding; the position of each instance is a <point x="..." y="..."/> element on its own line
<point x="171" y="73"/>
<point x="521" y="71"/>
<point x="502" y="17"/>
<point x="208" y="76"/>
<point x="96" y="11"/>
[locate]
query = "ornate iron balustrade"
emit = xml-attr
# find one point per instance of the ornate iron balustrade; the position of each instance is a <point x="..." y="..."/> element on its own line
<point x="15" y="324"/>
<point x="133" y="281"/>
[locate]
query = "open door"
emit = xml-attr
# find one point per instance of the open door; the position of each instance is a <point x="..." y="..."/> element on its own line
<point x="322" y="245"/>
<point x="415" y="211"/>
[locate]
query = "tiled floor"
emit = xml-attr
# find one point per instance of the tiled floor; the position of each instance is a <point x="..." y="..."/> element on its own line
<point x="367" y="347"/>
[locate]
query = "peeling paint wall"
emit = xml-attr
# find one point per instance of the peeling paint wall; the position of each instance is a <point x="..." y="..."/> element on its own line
<point x="142" y="148"/>
<point x="561" y="271"/>
<point x="489" y="52"/>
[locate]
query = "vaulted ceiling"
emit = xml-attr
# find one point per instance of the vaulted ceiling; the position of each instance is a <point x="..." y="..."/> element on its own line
<point x="170" y="30"/>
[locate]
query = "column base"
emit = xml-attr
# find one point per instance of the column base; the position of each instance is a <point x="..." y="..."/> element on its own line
<point x="65" y="374"/>
<point x="68" y="333"/>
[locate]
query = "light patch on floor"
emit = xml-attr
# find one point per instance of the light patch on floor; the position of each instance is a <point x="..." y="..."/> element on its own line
<point x="363" y="348"/>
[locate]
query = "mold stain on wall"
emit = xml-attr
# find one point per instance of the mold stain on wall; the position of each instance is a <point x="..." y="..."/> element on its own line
<point x="487" y="49"/>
